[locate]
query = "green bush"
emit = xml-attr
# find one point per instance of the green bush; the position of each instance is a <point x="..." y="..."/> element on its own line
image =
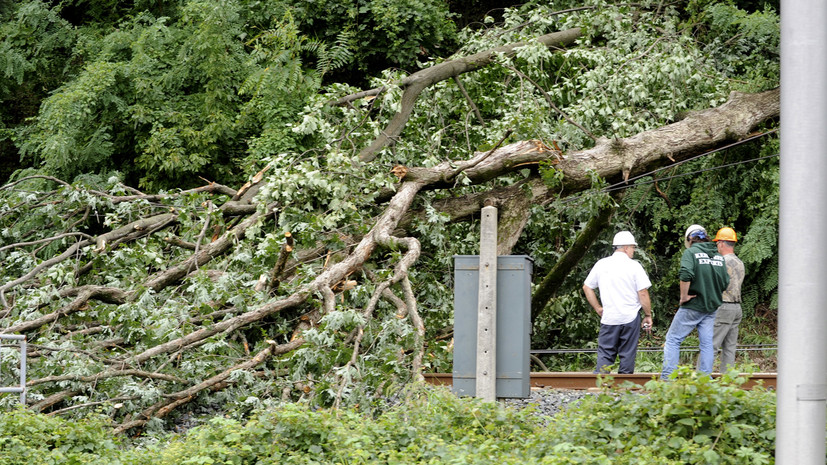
<point x="385" y="32"/>
<point x="693" y="419"/>
<point x="34" y="439"/>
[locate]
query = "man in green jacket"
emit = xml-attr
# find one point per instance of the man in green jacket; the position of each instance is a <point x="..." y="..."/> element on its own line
<point x="703" y="278"/>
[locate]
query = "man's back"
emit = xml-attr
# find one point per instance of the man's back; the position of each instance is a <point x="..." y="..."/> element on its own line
<point x="735" y="270"/>
<point x="619" y="278"/>
<point x="705" y="269"/>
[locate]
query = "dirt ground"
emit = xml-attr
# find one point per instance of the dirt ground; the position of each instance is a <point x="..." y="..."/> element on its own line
<point x="766" y="361"/>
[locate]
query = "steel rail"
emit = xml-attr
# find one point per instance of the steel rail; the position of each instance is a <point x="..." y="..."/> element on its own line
<point x="586" y="381"/>
<point x="739" y="348"/>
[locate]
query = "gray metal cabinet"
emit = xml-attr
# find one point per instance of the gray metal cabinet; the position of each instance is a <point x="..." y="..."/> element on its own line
<point x="513" y="324"/>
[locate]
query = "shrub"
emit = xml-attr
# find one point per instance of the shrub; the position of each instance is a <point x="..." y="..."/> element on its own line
<point x="694" y="419"/>
<point x="33" y="439"/>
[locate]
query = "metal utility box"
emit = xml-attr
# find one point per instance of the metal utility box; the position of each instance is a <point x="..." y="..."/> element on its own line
<point x="513" y="324"/>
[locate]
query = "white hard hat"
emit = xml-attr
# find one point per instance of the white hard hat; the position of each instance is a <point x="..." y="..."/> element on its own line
<point x="695" y="229"/>
<point x="624" y="238"/>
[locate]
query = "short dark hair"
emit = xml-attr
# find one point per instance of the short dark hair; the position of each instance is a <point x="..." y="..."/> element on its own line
<point x="696" y="239"/>
<point x="729" y="243"/>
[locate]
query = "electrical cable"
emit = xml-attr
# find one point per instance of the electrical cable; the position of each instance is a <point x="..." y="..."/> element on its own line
<point x="743" y="162"/>
<point x="630" y="182"/>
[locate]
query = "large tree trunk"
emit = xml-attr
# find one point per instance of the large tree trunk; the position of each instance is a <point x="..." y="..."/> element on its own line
<point x="700" y="131"/>
<point x="620" y="159"/>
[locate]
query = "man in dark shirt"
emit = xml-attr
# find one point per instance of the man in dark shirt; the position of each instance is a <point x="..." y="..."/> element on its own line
<point x="703" y="278"/>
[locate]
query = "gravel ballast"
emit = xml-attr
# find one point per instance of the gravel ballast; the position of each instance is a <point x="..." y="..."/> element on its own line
<point x="549" y="402"/>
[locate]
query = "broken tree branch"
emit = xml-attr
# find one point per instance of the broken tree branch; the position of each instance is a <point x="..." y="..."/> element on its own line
<point x="164" y="407"/>
<point x="107" y="374"/>
<point x="414" y="84"/>
<point x="469" y="100"/>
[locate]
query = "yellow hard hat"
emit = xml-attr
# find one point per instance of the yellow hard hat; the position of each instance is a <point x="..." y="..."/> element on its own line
<point x="726" y="234"/>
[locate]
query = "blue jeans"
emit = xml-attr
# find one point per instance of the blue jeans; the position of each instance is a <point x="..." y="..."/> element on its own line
<point x="684" y="322"/>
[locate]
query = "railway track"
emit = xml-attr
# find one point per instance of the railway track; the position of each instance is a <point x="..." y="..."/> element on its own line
<point x="584" y="381"/>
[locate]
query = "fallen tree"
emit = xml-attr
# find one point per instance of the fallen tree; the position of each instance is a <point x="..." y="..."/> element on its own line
<point x="697" y="133"/>
<point x="305" y="279"/>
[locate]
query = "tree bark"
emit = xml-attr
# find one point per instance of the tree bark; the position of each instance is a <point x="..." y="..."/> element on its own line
<point x="699" y="132"/>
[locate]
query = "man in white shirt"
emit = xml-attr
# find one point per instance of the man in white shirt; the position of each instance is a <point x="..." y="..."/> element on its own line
<point x="624" y="289"/>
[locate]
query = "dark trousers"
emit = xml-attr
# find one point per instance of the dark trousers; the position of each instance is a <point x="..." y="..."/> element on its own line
<point x="615" y="341"/>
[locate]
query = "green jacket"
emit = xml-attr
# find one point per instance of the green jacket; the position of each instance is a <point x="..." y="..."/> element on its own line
<point x="705" y="269"/>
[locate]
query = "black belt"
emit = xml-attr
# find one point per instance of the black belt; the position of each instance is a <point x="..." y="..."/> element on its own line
<point x="725" y="302"/>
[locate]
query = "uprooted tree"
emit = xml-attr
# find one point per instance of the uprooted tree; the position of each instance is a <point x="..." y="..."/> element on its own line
<point x="327" y="275"/>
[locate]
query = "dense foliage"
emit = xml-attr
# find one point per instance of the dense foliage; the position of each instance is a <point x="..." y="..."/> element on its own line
<point x="165" y="92"/>
<point x="147" y="305"/>
<point x="692" y="420"/>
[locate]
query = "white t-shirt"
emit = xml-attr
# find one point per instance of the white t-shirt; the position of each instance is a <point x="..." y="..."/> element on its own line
<point x="619" y="278"/>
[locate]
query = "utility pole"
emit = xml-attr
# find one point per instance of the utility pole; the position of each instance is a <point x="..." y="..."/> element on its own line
<point x="802" y="320"/>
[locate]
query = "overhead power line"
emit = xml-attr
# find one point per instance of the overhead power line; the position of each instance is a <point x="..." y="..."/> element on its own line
<point x="631" y="182"/>
<point x="714" y="168"/>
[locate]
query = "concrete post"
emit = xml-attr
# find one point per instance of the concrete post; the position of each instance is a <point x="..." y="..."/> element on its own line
<point x="802" y="321"/>
<point x="486" y="382"/>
